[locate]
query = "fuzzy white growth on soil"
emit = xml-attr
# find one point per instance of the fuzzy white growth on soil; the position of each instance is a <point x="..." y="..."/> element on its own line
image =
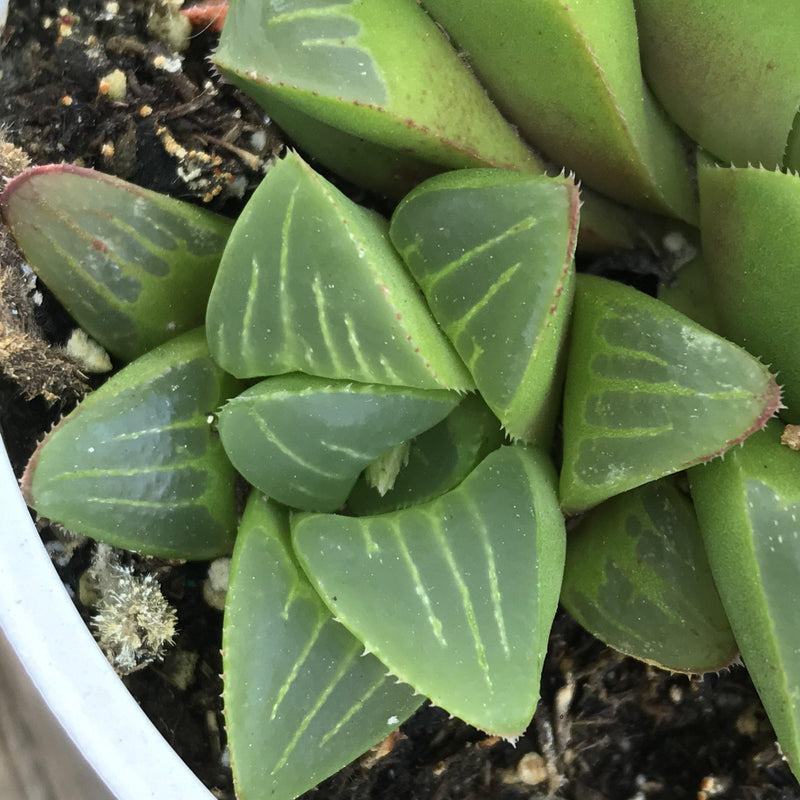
<point x="215" y="586"/>
<point x="133" y="623"/>
<point x="88" y="354"/>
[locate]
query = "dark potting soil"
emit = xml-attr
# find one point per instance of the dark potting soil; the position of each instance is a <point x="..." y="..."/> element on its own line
<point x="607" y="727"/>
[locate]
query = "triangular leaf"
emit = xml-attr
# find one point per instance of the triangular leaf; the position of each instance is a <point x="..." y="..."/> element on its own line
<point x="637" y="577"/>
<point x="301" y="698"/>
<point x="455" y="596"/>
<point x="304" y="440"/>
<point x="133" y="267"/>
<point x="649" y="393"/>
<point x="310" y="282"/>
<point x="492" y="251"/>
<point x="137" y="464"/>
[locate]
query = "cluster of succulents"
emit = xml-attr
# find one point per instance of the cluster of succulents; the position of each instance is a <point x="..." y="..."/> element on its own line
<point x="419" y="403"/>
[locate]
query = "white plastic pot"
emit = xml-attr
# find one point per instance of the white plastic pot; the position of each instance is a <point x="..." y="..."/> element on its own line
<point x="95" y="741"/>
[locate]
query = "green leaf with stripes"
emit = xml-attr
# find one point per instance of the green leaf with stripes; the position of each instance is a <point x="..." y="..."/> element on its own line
<point x="492" y="251"/>
<point x="638" y="578"/>
<point x="649" y="392"/>
<point x="310" y="282"/>
<point x="134" y="268"/>
<point x="438" y="460"/>
<point x="137" y="464"/>
<point x="748" y="507"/>
<point x="304" y="440"/>
<point x="301" y="698"/>
<point x="372" y="89"/>
<point x="456" y="596"/>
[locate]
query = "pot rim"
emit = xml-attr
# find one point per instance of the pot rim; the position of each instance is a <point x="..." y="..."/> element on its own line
<point x="69" y="671"/>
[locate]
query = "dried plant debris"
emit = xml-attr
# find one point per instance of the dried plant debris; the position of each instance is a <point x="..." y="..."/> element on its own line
<point x="34" y="366"/>
<point x="791" y="437"/>
<point x="133" y="623"/>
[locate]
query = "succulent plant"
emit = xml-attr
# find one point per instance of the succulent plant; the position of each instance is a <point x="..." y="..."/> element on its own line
<point x="393" y="389"/>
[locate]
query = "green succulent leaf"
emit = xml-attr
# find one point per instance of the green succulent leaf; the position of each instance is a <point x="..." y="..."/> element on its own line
<point x="373" y="89"/>
<point x="310" y="282"/>
<point x="727" y="73"/>
<point x="648" y="393"/>
<point x="493" y="253"/>
<point x="438" y="459"/>
<point x="751" y="237"/>
<point x="133" y="267"/>
<point x="637" y="577"/>
<point x="301" y="698"/>
<point x="137" y="464"/>
<point x="456" y="596"/>
<point x="748" y="507"/>
<point x="304" y="440"/>
<point x="568" y="75"/>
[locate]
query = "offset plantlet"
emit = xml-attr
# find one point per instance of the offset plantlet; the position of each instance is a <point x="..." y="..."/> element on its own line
<point x="438" y="460"/>
<point x="133" y="267"/>
<point x="637" y="577"/>
<point x="470" y="578"/>
<point x="301" y="697"/>
<point x="649" y="393"/>
<point x="137" y="464"/>
<point x="492" y="251"/>
<point x="310" y="283"/>
<point x="303" y="441"/>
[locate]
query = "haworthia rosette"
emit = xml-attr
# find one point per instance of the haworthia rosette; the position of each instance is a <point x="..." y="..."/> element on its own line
<point x="493" y="253"/>
<point x="751" y="237"/>
<point x="648" y="393"/>
<point x="568" y="74"/>
<point x="456" y="596"/>
<point x="438" y="459"/>
<point x="371" y="88"/>
<point x="304" y="441"/>
<point x="137" y="464"/>
<point x="637" y="577"/>
<point x="748" y="507"/>
<point x="301" y="698"/>
<point x="310" y="282"/>
<point x="133" y="267"/>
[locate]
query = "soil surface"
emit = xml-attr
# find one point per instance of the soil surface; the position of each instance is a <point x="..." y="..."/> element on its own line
<point x="607" y="727"/>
